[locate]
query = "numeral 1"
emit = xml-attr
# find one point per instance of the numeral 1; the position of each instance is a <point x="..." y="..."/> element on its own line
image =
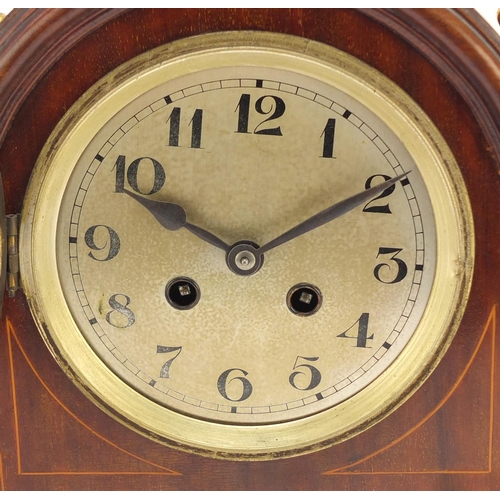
<point x="243" y="113"/>
<point x="328" y="135"/>
<point x="174" y="120"/>
<point x="196" y="123"/>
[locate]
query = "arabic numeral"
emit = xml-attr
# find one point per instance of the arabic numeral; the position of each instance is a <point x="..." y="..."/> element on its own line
<point x="328" y="135"/>
<point x="265" y="105"/>
<point x="196" y="125"/>
<point x="174" y="124"/>
<point x="174" y="120"/>
<point x="305" y="371"/>
<point x="359" y="331"/>
<point x="120" y="316"/>
<point x="402" y="268"/>
<point x="227" y="379"/>
<point x="99" y="238"/>
<point x="145" y="163"/>
<point x="380" y="208"/>
<point x="162" y="349"/>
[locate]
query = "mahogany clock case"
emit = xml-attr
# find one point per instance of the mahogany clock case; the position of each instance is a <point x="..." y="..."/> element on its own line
<point x="444" y="437"/>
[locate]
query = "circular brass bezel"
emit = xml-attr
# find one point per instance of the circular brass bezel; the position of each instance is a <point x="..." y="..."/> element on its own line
<point x="454" y="228"/>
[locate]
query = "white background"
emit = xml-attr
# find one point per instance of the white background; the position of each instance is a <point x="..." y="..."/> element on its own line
<point x="487" y="9"/>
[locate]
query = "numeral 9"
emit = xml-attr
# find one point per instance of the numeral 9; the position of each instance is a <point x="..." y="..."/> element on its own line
<point x="110" y="242"/>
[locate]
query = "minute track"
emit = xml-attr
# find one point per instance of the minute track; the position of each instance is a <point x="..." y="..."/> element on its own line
<point x="212" y="409"/>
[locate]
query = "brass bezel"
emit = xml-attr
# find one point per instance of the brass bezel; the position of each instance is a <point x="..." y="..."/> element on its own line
<point x="439" y="170"/>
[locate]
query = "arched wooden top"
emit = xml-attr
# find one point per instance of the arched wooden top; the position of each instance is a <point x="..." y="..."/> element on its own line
<point x="458" y="42"/>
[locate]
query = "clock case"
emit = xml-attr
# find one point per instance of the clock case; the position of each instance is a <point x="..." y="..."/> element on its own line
<point x="447" y="60"/>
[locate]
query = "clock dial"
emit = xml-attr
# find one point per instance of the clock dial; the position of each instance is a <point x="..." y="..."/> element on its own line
<point x="248" y="152"/>
<point x="183" y="291"/>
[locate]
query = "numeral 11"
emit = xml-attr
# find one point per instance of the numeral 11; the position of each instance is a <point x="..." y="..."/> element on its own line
<point x="174" y="121"/>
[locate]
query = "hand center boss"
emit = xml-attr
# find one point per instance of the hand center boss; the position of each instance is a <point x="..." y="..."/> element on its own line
<point x="246" y="258"/>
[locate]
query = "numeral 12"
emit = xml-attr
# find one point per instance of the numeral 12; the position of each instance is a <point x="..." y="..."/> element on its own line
<point x="276" y="110"/>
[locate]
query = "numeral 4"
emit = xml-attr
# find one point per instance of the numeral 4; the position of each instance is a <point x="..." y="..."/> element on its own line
<point x="360" y="333"/>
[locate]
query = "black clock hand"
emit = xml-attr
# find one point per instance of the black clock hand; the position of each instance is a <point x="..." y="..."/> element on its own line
<point x="330" y="214"/>
<point x="173" y="217"/>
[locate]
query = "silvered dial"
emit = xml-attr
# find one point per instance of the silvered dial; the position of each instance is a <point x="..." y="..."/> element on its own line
<point x="247" y="152"/>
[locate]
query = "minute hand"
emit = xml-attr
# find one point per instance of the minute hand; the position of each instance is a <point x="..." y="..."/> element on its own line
<point x="331" y="213"/>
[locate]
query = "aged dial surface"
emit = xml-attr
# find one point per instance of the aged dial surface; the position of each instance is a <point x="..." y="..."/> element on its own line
<point x="248" y="153"/>
<point x="219" y="252"/>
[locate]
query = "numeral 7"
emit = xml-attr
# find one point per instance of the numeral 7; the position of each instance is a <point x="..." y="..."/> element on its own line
<point x="165" y="369"/>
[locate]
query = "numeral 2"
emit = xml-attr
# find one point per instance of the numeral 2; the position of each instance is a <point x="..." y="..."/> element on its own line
<point x="370" y="206"/>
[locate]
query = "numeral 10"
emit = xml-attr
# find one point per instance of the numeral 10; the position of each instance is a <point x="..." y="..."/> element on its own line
<point x="132" y="174"/>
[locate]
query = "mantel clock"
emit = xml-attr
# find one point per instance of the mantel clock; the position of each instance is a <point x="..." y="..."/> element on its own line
<point x="241" y="244"/>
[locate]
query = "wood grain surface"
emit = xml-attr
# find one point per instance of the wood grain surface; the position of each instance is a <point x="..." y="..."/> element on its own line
<point x="445" y="437"/>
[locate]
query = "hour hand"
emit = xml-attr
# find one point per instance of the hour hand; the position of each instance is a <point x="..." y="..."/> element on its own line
<point x="173" y="217"/>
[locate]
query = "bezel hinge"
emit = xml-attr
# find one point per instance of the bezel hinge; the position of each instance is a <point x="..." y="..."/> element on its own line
<point x="12" y="283"/>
